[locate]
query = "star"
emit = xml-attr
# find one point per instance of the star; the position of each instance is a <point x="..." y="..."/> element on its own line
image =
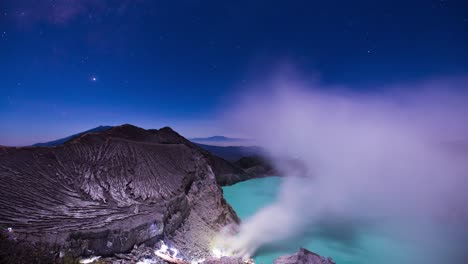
<point x="93" y="78"/>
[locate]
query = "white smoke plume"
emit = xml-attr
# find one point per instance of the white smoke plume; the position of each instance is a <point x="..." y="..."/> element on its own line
<point x="392" y="158"/>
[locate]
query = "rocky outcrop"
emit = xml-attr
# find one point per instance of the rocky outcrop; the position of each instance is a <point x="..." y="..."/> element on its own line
<point x="256" y="166"/>
<point x="103" y="193"/>
<point x="227" y="173"/>
<point x="223" y="159"/>
<point x="233" y="153"/>
<point x="249" y="162"/>
<point x="303" y="256"/>
<point x="65" y="139"/>
<point x="142" y="254"/>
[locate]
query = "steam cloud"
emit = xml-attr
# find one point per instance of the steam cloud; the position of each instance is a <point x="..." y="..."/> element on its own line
<point x="395" y="159"/>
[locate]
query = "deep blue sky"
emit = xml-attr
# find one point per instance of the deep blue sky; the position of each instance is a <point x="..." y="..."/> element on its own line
<point x="69" y="65"/>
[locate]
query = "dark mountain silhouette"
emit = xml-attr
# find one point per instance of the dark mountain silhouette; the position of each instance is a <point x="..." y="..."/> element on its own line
<point x="63" y="140"/>
<point x="222" y="159"/>
<point x="230" y="153"/>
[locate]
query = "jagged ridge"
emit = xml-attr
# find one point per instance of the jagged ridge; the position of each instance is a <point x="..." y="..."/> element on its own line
<point x="103" y="192"/>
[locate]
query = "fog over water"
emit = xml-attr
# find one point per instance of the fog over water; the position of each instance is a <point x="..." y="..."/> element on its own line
<point x="356" y="247"/>
<point x="392" y="162"/>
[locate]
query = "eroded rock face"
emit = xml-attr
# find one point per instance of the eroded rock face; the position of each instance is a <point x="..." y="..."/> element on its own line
<point x="103" y="193"/>
<point x="227" y="173"/>
<point x="303" y="256"/>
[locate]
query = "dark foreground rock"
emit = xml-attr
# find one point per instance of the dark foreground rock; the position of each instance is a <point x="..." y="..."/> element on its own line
<point x="144" y="254"/>
<point x="103" y="193"/>
<point x="303" y="256"/>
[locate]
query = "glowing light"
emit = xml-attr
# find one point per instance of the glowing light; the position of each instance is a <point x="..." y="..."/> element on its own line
<point x="89" y="260"/>
<point x="218" y="253"/>
<point x="146" y="261"/>
<point x="168" y="254"/>
<point x="163" y="248"/>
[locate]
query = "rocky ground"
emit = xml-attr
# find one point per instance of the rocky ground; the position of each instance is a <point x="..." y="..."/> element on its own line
<point x="115" y="194"/>
<point x="103" y="193"/>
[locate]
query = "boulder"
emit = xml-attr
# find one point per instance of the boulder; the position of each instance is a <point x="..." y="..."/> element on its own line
<point x="303" y="256"/>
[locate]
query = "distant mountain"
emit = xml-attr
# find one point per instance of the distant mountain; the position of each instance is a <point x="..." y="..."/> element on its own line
<point x="222" y="141"/>
<point x="217" y="138"/>
<point x="63" y="140"/>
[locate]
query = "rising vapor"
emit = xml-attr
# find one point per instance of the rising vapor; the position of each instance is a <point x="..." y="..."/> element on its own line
<point x="393" y="160"/>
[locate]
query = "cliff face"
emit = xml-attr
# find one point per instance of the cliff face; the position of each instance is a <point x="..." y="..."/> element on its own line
<point x="227" y="173"/>
<point x="226" y="162"/>
<point x="102" y="193"/>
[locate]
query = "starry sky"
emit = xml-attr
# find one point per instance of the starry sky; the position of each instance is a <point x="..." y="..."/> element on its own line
<point x="70" y="65"/>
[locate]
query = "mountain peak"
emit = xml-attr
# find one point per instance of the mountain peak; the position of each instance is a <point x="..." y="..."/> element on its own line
<point x="125" y="131"/>
<point x="218" y="138"/>
<point x="65" y="139"/>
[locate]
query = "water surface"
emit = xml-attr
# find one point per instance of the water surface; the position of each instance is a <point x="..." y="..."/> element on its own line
<point x="364" y="247"/>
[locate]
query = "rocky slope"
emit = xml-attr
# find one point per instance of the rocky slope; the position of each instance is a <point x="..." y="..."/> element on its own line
<point x="146" y="255"/>
<point x="65" y="139"/>
<point x="232" y="153"/>
<point x="303" y="256"/>
<point x="102" y="193"/>
<point x="224" y="160"/>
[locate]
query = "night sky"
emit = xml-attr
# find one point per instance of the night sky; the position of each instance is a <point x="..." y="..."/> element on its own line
<point x="70" y="65"/>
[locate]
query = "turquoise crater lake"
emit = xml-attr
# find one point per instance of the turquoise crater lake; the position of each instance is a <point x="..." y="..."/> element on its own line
<point x="368" y="247"/>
